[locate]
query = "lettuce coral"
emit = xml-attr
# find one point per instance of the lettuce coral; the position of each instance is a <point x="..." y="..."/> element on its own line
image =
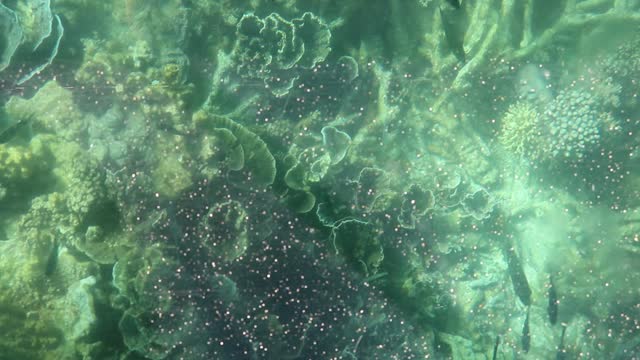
<point x="271" y="48"/>
<point x="258" y="164"/>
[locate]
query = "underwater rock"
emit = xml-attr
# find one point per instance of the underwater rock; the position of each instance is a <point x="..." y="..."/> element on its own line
<point x="170" y="173"/>
<point x="533" y="85"/>
<point x="53" y="111"/>
<point x="76" y="311"/>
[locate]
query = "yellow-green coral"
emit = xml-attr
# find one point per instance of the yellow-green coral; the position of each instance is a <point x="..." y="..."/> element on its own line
<point x="520" y="130"/>
<point x="22" y="164"/>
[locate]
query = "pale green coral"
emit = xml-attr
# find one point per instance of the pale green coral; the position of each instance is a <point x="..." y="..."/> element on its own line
<point x="308" y="162"/>
<point x="269" y="48"/>
<point x="21" y="165"/>
<point x="224" y="230"/>
<point x="521" y="130"/>
<point x="259" y="165"/>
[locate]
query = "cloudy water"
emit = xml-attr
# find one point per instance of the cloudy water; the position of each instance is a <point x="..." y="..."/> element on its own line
<point x="270" y="179"/>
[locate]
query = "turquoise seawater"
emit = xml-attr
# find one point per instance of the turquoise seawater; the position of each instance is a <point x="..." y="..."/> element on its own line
<point x="319" y="179"/>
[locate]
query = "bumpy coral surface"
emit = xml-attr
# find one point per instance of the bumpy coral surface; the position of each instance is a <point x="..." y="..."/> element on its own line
<point x="573" y="123"/>
<point x="521" y="129"/>
<point x="565" y="130"/>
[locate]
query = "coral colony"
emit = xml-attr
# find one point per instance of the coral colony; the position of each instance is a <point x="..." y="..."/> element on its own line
<point x="417" y="179"/>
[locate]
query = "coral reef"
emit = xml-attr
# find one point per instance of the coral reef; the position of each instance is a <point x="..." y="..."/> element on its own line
<point x="249" y="155"/>
<point x="573" y="124"/>
<point x="565" y="130"/>
<point x="268" y="48"/>
<point x="27" y="26"/>
<point x="520" y="133"/>
<point x="260" y="179"/>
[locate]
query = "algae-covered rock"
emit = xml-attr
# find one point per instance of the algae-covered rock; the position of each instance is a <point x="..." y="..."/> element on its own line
<point x="449" y="188"/>
<point x="170" y="177"/>
<point x="53" y="111"/>
<point x="221" y="149"/>
<point x="76" y="310"/>
<point x="362" y="243"/>
<point x="48" y="216"/>
<point x="26" y="335"/>
<point x="170" y="174"/>
<point x="311" y="165"/>
<point x="259" y="165"/>
<point x="83" y="182"/>
<point x="315" y="35"/>
<point x="101" y="245"/>
<point x="25" y="26"/>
